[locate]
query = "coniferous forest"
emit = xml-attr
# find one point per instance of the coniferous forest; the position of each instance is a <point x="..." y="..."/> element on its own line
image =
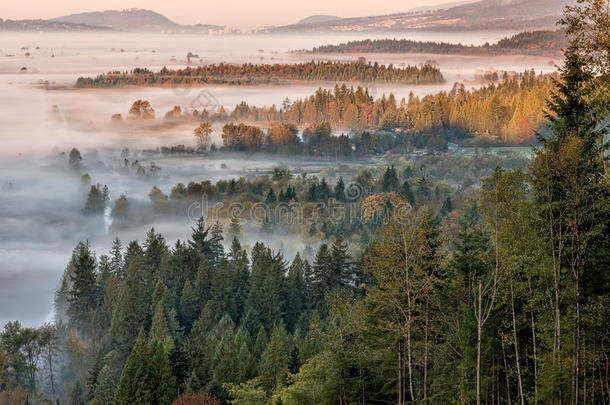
<point x="250" y="74"/>
<point x="488" y="291"/>
<point x="535" y="42"/>
<point x="507" y="112"/>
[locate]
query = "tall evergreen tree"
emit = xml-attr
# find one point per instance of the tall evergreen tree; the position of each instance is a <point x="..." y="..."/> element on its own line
<point x="84" y="294"/>
<point x="105" y="387"/>
<point x="274" y="361"/>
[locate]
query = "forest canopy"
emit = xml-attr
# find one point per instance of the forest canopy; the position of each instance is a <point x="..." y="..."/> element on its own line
<point x="528" y="43"/>
<point x="252" y="74"/>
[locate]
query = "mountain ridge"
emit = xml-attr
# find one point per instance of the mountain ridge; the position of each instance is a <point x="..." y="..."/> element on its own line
<point x="479" y="15"/>
<point x="318" y="18"/>
<point x="45" y="26"/>
<point x="133" y="19"/>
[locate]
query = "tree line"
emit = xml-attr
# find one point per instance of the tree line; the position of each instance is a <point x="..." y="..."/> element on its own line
<point x="541" y="42"/>
<point x="259" y="74"/>
<point x="508" y="112"/>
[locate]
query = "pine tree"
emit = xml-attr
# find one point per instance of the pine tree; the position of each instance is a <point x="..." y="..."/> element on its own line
<point x="130" y="313"/>
<point x="84" y="294"/>
<point x="320" y="281"/>
<point x="147" y="376"/>
<point x="295" y="297"/>
<point x="160" y="379"/>
<point x="270" y="199"/>
<point x="323" y="190"/>
<point x="342" y="274"/>
<point x="133" y="388"/>
<point x="260" y="343"/>
<point x="312" y="193"/>
<point x="339" y="192"/>
<point x="246" y="361"/>
<point x="188" y="305"/>
<point x="179" y="361"/>
<point x="104" y="390"/>
<point x="116" y="258"/>
<point x="407" y="192"/>
<point x="274" y="361"/>
<point x="94" y="373"/>
<point x="159" y="329"/>
<point x="215" y="242"/>
<point x="226" y="366"/>
<point x="194" y="383"/>
<point x="155" y="249"/>
<point x="423" y="190"/>
<point x="390" y="180"/>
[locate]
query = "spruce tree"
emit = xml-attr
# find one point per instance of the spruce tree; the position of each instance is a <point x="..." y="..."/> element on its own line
<point x="84" y="294"/>
<point x="179" y="361"/>
<point x="159" y="329"/>
<point x="295" y="296"/>
<point x="270" y="199"/>
<point x="160" y="379"/>
<point x="188" y="305"/>
<point x="260" y="343"/>
<point x="215" y="242"/>
<point x="133" y="388"/>
<point x="339" y="192"/>
<point x="226" y="363"/>
<point x="94" y="373"/>
<point x="274" y="361"/>
<point x="104" y="390"/>
<point x="320" y="280"/>
<point x="323" y="191"/>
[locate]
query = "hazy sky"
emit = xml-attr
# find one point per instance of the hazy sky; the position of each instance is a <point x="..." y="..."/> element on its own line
<point x="241" y="13"/>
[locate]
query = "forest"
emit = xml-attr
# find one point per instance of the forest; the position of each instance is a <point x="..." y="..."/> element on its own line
<point x="267" y="74"/>
<point x="523" y="43"/>
<point x="508" y="112"/>
<point x="440" y="288"/>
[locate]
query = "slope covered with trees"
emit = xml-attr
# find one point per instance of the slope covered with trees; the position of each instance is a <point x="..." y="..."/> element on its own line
<point x="529" y="43"/>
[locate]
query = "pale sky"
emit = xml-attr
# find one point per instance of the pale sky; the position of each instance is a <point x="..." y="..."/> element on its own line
<point x="238" y="13"/>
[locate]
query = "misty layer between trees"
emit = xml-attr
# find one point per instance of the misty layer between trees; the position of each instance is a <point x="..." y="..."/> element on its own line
<point x="343" y="248"/>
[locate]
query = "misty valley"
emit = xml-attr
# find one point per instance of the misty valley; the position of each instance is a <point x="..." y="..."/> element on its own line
<point x="340" y="211"/>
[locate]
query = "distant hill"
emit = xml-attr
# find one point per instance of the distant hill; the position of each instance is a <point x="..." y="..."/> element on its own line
<point x="443" y="6"/>
<point x="45" y="25"/>
<point x="478" y="15"/>
<point x="549" y="43"/>
<point x="316" y="19"/>
<point x="123" y="20"/>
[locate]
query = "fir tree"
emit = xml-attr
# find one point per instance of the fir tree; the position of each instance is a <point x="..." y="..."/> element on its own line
<point x="84" y="294"/>
<point x="270" y="199"/>
<point x="323" y="190"/>
<point x="133" y="388"/>
<point x="159" y="329"/>
<point x="160" y="379"/>
<point x="188" y="305"/>
<point x="179" y="362"/>
<point x="105" y="387"/>
<point x="274" y="361"/>
<point x="390" y="180"/>
<point x="339" y="192"/>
